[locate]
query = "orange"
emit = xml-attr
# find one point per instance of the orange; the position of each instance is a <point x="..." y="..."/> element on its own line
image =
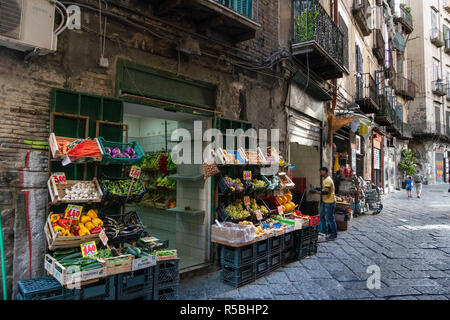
<point x="288" y="196"/>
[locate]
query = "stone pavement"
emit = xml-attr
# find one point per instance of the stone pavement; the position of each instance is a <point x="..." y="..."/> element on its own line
<point x="409" y="241"/>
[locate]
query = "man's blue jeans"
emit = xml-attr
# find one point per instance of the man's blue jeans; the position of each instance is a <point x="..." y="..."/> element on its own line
<point x="327" y="218"/>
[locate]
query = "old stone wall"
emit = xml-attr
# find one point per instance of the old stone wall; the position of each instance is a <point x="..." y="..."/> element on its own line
<point x="25" y="99"/>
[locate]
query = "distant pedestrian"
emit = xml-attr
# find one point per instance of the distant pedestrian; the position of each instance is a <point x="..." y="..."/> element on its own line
<point x="418" y="181"/>
<point x="409" y="182"/>
<point x="328" y="205"/>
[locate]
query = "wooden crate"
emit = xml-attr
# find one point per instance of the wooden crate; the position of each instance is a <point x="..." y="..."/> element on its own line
<point x="58" y="155"/>
<point x="286" y="182"/>
<point x="63" y="275"/>
<point x="171" y="257"/>
<point x="143" y="262"/>
<point x="57" y="191"/>
<point x="55" y="241"/>
<point x="117" y="267"/>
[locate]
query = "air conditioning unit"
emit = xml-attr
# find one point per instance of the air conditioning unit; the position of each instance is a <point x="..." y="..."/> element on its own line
<point x="29" y="25"/>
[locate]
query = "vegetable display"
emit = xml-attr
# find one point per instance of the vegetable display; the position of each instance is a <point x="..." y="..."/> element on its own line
<point x="160" y="161"/>
<point x="122" y="226"/>
<point x="88" y="224"/>
<point x="73" y="258"/>
<point x="120" y="187"/>
<point x="236" y="210"/>
<point x="85" y="190"/>
<point x="254" y="207"/>
<point x="127" y="153"/>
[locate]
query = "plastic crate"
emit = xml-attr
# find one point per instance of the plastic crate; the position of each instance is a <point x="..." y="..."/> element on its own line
<point x="313" y="247"/>
<point x="236" y="257"/>
<point x="39" y="288"/>
<point x="135" y="285"/>
<point x="287" y="240"/>
<point x="289" y="255"/>
<point x="261" y="267"/>
<point x="121" y="198"/>
<point x="108" y="159"/>
<point x="303" y="250"/>
<point x="261" y="248"/>
<point x="275" y="260"/>
<point x="166" y="293"/>
<point x="103" y="289"/>
<point x="167" y="272"/>
<point x="275" y="243"/>
<point x="237" y="276"/>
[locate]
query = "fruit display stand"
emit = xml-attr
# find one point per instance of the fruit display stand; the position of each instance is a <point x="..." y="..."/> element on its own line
<point x="252" y="244"/>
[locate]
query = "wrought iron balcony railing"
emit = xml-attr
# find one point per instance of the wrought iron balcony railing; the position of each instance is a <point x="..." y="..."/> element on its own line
<point x="436" y="37"/>
<point x="439" y="88"/>
<point x="359" y="10"/>
<point x="404" y="17"/>
<point x="367" y="93"/>
<point x="447" y="46"/>
<point x="243" y="7"/>
<point x="317" y="36"/>
<point x="405" y="87"/>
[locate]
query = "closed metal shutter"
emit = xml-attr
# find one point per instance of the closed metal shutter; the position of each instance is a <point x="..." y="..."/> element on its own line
<point x="304" y="131"/>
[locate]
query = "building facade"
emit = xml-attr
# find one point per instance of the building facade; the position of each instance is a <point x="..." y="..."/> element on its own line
<point x="429" y="113"/>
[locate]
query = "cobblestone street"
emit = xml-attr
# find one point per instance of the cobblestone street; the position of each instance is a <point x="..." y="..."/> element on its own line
<point x="409" y="241"/>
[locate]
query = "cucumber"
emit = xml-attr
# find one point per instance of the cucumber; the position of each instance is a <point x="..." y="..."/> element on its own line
<point x="72" y="256"/>
<point x="138" y="251"/>
<point x="131" y="251"/>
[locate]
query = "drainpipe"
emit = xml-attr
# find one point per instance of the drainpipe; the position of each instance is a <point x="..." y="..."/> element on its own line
<point x="334" y="81"/>
<point x="2" y="256"/>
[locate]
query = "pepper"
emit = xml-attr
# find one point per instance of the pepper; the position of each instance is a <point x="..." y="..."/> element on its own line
<point x="54" y="224"/>
<point x="54" y="217"/>
<point x="85" y="219"/>
<point x="83" y="232"/>
<point x="97" y="222"/>
<point x="66" y="233"/>
<point x="65" y="223"/>
<point x="89" y="225"/>
<point x="58" y="229"/>
<point x="92" y="214"/>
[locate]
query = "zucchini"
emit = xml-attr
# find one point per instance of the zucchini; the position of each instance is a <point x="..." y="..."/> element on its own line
<point x="131" y="251"/>
<point x="63" y="253"/>
<point x="72" y="256"/>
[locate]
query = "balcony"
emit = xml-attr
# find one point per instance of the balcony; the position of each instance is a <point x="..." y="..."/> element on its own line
<point x="404" y="87"/>
<point x="406" y="131"/>
<point x="359" y="11"/>
<point x="447" y="5"/>
<point x="385" y="113"/>
<point x="366" y="93"/>
<point x="438" y="88"/>
<point x="436" y="37"/>
<point x="379" y="46"/>
<point x="396" y="126"/>
<point x="448" y="90"/>
<point x="318" y="42"/>
<point x="232" y="20"/>
<point x="447" y="46"/>
<point x="405" y="18"/>
<point x="389" y="71"/>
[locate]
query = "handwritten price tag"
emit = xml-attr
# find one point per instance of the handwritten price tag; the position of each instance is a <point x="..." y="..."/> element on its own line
<point x="88" y="249"/>
<point x="135" y="172"/>
<point x="73" y="212"/>
<point x="247" y="175"/>
<point x="59" y="177"/>
<point x="258" y="214"/>
<point x="246" y="200"/>
<point x="280" y="210"/>
<point x="103" y="237"/>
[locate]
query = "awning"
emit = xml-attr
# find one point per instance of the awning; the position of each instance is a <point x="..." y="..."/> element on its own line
<point x="359" y="122"/>
<point x="399" y="41"/>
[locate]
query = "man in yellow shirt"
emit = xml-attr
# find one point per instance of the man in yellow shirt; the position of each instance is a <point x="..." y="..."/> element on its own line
<point x="328" y="205"/>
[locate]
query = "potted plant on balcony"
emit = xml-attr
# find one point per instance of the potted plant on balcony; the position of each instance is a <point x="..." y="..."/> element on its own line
<point x="305" y="23"/>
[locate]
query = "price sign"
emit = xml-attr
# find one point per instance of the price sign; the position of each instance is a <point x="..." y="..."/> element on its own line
<point x="135" y="172"/>
<point x="59" y="177"/>
<point x="247" y="175"/>
<point x="258" y="214"/>
<point x="280" y="210"/>
<point x="73" y="212"/>
<point x="66" y="161"/>
<point x="88" y="249"/>
<point x="103" y="237"/>
<point x="246" y="200"/>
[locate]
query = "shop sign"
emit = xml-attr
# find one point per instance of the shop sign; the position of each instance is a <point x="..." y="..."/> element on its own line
<point x="376" y="159"/>
<point x="135" y="172"/>
<point x="59" y="177"/>
<point x="376" y="144"/>
<point x="247" y="175"/>
<point x="73" y="212"/>
<point x="88" y="249"/>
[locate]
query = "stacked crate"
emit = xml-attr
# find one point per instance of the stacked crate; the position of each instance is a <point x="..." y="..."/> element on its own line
<point x="135" y="285"/>
<point x="306" y="242"/>
<point x="166" y="280"/>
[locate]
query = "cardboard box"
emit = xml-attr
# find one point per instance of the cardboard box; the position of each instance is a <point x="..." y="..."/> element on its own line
<point x="342" y="225"/>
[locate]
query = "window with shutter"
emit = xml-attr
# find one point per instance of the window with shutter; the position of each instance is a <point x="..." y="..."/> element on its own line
<point x="359" y="75"/>
<point x="344" y="30"/>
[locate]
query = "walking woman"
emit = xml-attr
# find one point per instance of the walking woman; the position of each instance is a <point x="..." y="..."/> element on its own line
<point x="409" y="182"/>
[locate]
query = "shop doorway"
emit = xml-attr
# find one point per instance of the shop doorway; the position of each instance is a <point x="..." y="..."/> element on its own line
<point x="175" y="205"/>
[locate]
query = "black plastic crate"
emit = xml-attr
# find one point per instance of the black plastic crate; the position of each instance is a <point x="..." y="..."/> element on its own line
<point x="275" y="260"/>
<point x="166" y="292"/>
<point x="237" y="276"/>
<point x="302" y="251"/>
<point x="261" y="267"/>
<point x="275" y="243"/>
<point x="39" y="289"/>
<point x="313" y="247"/>
<point x="167" y="272"/>
<point x="236" y="256"/>
<point x="289" y="255"/>
<point x="134" y="285"/>
<point x="287" y="240"/>
<point x="103" y="289"/>
<point x="261" y="248"/>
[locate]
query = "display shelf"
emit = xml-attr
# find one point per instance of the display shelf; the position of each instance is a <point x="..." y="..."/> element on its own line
<point x="183" y="211"/>
<point x="187" y="177"/>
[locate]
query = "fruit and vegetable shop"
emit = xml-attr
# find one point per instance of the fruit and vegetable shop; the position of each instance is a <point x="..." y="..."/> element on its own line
<point x="125" y="217"/>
